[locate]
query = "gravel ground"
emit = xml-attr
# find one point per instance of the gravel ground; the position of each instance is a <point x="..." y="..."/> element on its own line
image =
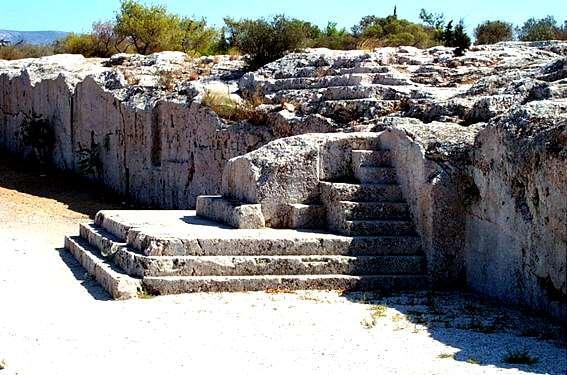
<point x="55" y="320"/>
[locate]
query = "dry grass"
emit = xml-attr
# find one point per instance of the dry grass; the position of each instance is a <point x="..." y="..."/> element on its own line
<point x="233" y="53"/>
<point x="233" y="110"/>
<point x="130" y="77"/>
<point x="368" y="44"/>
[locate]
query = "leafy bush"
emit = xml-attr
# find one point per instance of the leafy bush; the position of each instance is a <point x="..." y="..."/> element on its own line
<point x="391" y="31"/>
<point x="38" y="133"/>
<point x="24" y="51"/>
<point x="152" y="29"/>
<point x="100" y="42"/>
<point x="149" y="29"/>
<point x="456" y="38"/>
<point x="267" y="40"/>
<point x="334" y="38"/>
<point x="491" y="32"/>
<point x="542" y="29"/>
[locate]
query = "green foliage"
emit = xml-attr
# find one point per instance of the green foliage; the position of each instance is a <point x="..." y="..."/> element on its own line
<point x="334" y="38"/>
<point x="267" y="40"/>
<point x="436" y="21"/>
<point x="24" y="51"/>
<point x="491" y="32"/>
<point x="391" y="31"/>
<point x="149" y="29"/>
<point x="539" y="29"/>
<point x="100" y="42"/>
<point x="152" y="29"/>
<point x="456" y="37"/>
<point x="37" y="132"/>
<point x="562" y="31"/>
<point x="197" y="38"/>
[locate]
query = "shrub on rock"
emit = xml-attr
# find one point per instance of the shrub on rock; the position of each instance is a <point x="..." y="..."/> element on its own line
<point x="539" y="29"/>
<point x="491" y="32"/>
<point x="266" y="40"/>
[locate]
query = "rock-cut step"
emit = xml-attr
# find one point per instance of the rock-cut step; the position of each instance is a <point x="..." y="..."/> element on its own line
<point x="373" y="158"/>
<point x="337" y="191"/>
<point x="118" y="284"/>
<point x="373" y="210"/>
<point x="376" y="175"/>
<point x="193" y="284"/>
<point x="377" y="228"/>
<point x="276" y="265"/>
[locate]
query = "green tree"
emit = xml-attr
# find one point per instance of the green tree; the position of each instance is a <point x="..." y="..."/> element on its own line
<point x="149" y="29"/>
<point x="491" y="32"/>
<point x="538" y="29"/>
<point x="152" y="29"/>
<point x="267" y="40"/>
<point x="334" y="38"/>
<point x="436" y="21"/>
<point x="456" y="37"/>
<point x="197" y="38"/>
<point x="462" y="40"/>
<point x="392" y="31"/>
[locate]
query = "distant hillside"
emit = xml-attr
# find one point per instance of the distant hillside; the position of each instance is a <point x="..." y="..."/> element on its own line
<point x="32" y="37"/>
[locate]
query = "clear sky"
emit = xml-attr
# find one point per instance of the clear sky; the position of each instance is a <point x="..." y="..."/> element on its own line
<point x="78" y="15"/>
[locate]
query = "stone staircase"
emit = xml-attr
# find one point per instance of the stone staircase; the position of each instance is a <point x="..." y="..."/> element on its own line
<point x="168" y="252"/>
<point x="373" y="205"/>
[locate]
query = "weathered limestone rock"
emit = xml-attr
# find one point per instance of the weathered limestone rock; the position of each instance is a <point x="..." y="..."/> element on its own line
<point x="475" y="149"/>
<point x="114" y="121"/>
<point x="516" y="228"/>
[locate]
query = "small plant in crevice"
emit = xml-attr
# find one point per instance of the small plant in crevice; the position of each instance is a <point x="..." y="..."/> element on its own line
<point x="519" y="357"/>
<point x="473" y="361"/>
<point x="37" y="132"/>
<point x="376" y="312"/>
<point x="89" y="162"/>
<point x="446" y="356"/>
<point x="144" y="294"/>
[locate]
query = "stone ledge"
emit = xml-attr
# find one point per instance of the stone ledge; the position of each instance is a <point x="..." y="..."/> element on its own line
<point x="117" y="284"/>
<point x="241" y="216"/>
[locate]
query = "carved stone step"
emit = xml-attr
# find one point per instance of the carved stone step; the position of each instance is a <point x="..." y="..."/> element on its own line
<point x="373" y="158"/>
<point x="376" y="228"/>
<point x="326" y="245"/>
<point x="334" y="191"/>
<point x="118" y="284"/>
<point x="376" y="175"/>
<point x="190" y="284"/>
<point x="373" y="210"/>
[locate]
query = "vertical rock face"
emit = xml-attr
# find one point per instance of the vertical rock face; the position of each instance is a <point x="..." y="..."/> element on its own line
<point x="478" y="142"/>
<point x="516" y="229"/>
<point x="154" y="146"/>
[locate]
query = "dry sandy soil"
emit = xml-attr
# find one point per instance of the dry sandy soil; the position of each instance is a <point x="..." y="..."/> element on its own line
<point x="55" y="320"/>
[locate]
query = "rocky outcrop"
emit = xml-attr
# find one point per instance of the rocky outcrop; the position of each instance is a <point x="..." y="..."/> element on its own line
<point x="516" y="225"/>
<point x="482" y="169"/>
<point x="476" y="146"/>
<point x="114" y="122"/>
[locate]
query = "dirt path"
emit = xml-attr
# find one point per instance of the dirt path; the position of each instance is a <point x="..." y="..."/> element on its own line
<point x="55" y="320"/>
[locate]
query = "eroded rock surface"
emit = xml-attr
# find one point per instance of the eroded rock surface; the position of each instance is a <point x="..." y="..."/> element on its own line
<point x="478" y="143"/>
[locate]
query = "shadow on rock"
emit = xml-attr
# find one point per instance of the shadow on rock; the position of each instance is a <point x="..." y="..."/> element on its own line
<point x="485" y="334"/>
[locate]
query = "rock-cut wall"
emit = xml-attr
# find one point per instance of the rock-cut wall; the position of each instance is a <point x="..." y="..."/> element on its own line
<point x="157" y="148"/>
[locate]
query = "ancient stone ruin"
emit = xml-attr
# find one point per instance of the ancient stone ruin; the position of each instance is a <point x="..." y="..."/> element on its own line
<point x="398" y="168"/>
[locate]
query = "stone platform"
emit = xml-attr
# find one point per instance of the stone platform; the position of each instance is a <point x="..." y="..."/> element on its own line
<point x="168" y="252"/>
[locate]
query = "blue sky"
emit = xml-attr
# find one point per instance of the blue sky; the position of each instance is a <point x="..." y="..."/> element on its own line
<point x="78" y="15"/>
